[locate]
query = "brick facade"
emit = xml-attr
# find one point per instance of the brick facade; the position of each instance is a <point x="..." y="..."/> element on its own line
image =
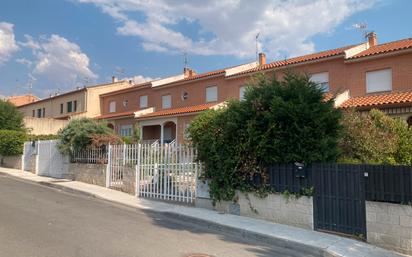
<point x="345" y="74"/>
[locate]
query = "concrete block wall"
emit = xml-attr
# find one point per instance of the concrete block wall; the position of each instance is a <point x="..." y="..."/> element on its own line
<point x="389" y="226"/>
<point x="292" y="211"/>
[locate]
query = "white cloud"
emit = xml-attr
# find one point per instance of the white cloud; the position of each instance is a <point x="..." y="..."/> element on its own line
<point x="24" y="61"/>
<point x="286" y="27"/>
<point x="58" y="60"/>
<point x="138" y="79"/>
<point x="8" y="43"/>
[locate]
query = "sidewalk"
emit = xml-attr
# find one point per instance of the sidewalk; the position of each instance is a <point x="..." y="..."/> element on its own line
<point x="313" y="242"/>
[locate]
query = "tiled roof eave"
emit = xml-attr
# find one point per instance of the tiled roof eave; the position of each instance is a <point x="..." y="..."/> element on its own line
<point x="284" y="66"/>
<point x="378" y="55"/>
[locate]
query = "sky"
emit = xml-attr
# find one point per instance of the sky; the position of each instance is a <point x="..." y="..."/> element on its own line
<point x="53" y="46"/>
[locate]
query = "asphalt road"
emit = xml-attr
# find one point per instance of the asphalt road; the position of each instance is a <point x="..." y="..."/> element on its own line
<point x="36" y="220"/>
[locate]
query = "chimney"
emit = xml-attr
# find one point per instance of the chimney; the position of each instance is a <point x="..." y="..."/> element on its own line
<point x="262" y="59"/>
<point x="114" y="79"/>
<point x="372" y="39"/>
<point x="188" y="72"/>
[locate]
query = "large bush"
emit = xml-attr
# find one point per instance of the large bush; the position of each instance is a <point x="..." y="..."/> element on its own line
<point x="79" y="134"/>
<point x="11" y="142"/>
<point x="278" y="122"/>
<point x="375" y="138"/>
<point x="10" y="117"/>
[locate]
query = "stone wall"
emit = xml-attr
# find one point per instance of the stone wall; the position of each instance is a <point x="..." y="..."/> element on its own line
<point x="89" y="173"/>
<point x="389" y="226"/>
<point x="129" y="181"/>
<point x="13" y="162"/>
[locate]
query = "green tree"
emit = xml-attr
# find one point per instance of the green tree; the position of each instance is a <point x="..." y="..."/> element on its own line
<point x="79" y="133"/>
<point x="278" y="122"/>
<point x="10" y="117"/>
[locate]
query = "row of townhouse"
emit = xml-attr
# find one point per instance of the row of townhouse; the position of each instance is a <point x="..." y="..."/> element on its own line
<point x="364" y="76"/>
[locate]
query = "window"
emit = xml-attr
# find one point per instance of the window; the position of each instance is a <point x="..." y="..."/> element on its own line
<point x="166" y="101"/>
<point x="126" y="130"/>
<point x="378" y="81"/>
<point x="242" y="90"/>
<point x="61" y="108"/>
<point x="143" y="101"/>
<point x="69" y="106"/>
<point x="75" y="106"/>
<point x="112" y="106"/>
<point x="38" y="113"/>
<point x="44" y="112"/>
<point x="34" y="113"/>
<point x="211" y="94"/>
<point x="322" y="79"/>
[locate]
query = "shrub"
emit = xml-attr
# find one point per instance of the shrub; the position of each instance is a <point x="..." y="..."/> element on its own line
<point x="10" y="117"/>
<point x="78" y="134"/>
<point x="11" y="142"/>
<point x="375" y="138"/>
<point x="100" y="140"/>
<point x="278" y="122"/>
<point x="42" y="137"/>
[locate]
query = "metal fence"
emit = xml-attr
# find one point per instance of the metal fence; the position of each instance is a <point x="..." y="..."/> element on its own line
<point x="90" y="155"/>
<point x="167" y="172"/>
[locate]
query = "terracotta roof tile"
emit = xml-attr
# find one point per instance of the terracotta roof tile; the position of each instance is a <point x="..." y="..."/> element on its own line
<point x="299" y="59"/>
<point x="22" y="99"/>
<point x="378" y="100"/>
<point x="203" y="75"/>
<point x="117" y="115"/>
<point x="327" y="96"/>
<point x="385" y="48"/>
<point x="177" y="111"/>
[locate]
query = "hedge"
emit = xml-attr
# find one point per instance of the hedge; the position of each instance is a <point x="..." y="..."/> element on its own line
<point x="12" y="142"/>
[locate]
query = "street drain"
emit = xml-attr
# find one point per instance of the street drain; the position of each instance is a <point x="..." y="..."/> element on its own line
<point x="199" y="255"/>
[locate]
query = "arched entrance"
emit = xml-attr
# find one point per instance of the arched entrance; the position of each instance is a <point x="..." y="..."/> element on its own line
<point x="169" y="132"/>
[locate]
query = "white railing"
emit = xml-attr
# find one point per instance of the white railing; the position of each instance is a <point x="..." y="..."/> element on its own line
<point x="167" y="172"/>
<point x="90" y="155"/>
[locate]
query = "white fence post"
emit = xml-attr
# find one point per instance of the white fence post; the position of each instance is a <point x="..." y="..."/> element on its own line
<point x="109" y="163"/>
<point x="137" y="186"/>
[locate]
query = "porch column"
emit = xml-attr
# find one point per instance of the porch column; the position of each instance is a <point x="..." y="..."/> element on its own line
<point x="161" y="133"/>
<point x="141" y="133"/>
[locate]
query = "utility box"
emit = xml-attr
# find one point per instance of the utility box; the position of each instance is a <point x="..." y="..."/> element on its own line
<point x="300" y="170"/>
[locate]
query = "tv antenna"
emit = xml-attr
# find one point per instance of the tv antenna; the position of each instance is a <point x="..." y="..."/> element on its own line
<point x="119" y="71"/>
<point x="30" y="83"/>
<point x="361" y="27"/>
<point x="257" y="46"/>
<point x="185" y="61"/>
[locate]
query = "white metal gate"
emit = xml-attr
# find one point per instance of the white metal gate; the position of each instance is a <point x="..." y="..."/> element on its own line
<point x="50" y="162"/>
<point x="119" y="156"/>
<point x="29" y="150"/>
<point x="167" y="172"/>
